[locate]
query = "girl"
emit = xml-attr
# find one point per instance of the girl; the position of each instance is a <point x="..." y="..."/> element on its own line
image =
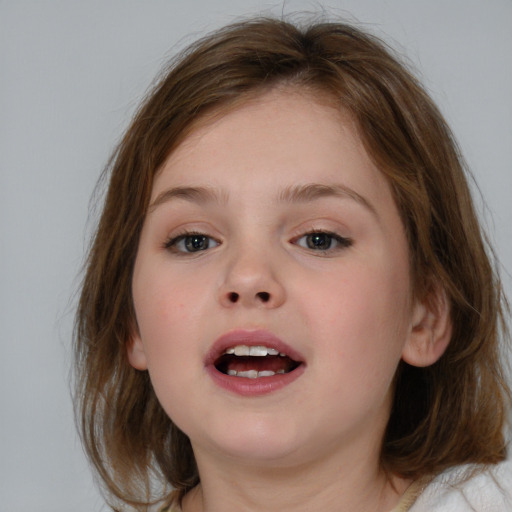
<point x="288" y="303"/>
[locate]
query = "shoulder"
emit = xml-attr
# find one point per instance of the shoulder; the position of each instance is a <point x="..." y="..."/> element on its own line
<point x="469" y="488"/>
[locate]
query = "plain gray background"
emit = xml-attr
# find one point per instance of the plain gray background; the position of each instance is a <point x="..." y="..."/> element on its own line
<point x="71" y="75"/>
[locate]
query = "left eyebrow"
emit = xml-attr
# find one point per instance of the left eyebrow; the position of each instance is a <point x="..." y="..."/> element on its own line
<point x="313" y="191"/>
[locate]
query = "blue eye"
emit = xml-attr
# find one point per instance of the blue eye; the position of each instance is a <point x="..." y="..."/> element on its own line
<point x="191" y="243"/>
<point x="323" y="241"/>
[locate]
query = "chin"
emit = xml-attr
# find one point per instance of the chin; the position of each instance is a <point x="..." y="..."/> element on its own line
<point x="258" y="441"/>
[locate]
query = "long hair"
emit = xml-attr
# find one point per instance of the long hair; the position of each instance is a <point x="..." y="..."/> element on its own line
<point x="449" y="413"/>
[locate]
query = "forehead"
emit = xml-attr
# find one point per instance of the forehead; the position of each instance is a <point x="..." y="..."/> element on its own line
<point x="274" y="142"/>
<point x="284" y="133"/>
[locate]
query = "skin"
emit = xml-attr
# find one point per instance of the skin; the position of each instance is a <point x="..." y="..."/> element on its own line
<point x="349" y="309"/>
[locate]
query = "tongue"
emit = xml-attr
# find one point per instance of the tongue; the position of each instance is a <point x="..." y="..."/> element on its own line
<point x="267" y="363"/>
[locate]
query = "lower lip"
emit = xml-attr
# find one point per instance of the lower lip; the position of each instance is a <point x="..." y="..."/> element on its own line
<point x="254" y="387"/>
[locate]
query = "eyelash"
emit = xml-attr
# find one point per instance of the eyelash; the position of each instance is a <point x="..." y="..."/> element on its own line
<point x="340" y="241"/>
<point x="172" y="243"/>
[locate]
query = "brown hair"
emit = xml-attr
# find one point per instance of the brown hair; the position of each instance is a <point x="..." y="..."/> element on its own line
<point x="449" y="413"/>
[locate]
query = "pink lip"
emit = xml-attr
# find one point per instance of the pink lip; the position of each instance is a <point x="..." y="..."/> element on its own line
<point x="245" y="386"/>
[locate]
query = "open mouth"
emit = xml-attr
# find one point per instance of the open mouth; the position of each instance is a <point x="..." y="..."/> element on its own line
<point x="252" y="362"/>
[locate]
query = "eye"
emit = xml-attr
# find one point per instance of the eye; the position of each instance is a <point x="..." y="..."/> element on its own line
<point x="323" y="241"/>
<point x="191" y="243"/>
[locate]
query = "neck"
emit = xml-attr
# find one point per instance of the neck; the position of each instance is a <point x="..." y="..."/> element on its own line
<point x="323" y="484"/>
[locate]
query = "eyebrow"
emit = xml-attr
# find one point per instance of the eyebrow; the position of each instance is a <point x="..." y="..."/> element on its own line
<point x="191" y="194"/>
<point x="293" y="194"/>
<point x="313" y="191"/>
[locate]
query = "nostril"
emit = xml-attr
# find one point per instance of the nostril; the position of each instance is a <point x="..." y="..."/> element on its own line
<point x="263" y="296"/>
<point x="233" y="297"/>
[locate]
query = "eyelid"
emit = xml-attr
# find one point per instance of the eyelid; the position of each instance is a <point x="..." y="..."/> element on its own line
<point x="342" y="242"/>
<point x="172" y="241"/>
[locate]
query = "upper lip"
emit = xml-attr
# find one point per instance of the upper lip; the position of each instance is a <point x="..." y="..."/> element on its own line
<point x="250" y="338"/>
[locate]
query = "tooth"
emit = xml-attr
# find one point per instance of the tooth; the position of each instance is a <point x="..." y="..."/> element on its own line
<point x="282" y="354"/>
<point x="280" y="371"/>
<point x="241" y="350"/>
<point x="266" y="373"/>
<point x="259" y="351"/>
<point x="250" y="374"/>
<point x="272" y="352"/>
<point x="233" y="373"/>
<point x="230" y="351"/>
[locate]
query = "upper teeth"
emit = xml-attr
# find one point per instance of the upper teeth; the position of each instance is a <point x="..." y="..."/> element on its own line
<point x="258" y="350"/>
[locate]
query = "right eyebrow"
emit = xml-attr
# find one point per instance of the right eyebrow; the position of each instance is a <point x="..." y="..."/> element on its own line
<point x="191" y="194"/>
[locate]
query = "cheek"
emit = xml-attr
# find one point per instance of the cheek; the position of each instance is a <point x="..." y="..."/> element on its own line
<point x="159" y="310"/>
<point x="163" y="295"/>
<point x="166" y="324"/>
<point x="364" y="323"/>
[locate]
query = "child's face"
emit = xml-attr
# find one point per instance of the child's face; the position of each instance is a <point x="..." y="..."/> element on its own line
<point x="272" y="227"/>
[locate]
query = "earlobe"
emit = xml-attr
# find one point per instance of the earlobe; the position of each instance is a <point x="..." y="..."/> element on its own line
<point x="431" y="330"/>
<point x="136" y="354"/>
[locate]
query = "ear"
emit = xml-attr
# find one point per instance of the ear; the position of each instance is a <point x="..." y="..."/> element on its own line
<point x="136" y="354"/>
<point x="431" y="329"/>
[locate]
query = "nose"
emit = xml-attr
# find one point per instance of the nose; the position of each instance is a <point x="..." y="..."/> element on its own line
<point x="252" y="280"/>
